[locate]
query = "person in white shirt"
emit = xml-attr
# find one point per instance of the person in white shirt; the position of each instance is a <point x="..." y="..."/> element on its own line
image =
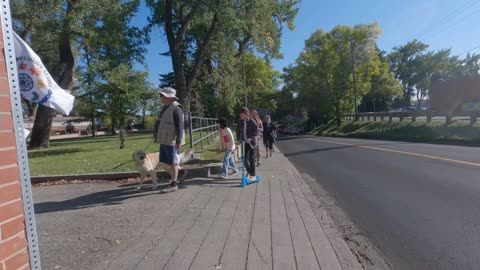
<point x="226" y="143"/>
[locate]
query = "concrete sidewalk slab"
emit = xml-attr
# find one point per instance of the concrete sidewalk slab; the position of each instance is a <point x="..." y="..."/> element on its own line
<point x="209" y="224"/>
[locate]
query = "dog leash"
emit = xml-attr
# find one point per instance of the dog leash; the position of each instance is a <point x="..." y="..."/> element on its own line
<point x="149" y="144"/>
<point x="121" y="164"/>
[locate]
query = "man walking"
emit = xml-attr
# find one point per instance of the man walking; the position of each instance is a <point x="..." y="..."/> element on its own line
<point x="169" y="133"/>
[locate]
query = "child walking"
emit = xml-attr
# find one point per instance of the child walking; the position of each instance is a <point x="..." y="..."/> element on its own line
<point x="226" y="143"/>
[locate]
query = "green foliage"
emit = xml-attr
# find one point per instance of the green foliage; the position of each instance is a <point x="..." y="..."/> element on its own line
<point x="385" y="88"/>
<point x="204" y="36"/>
<point x="150" y="121"/>
<point x="416" y="131"/>
<point x="323" y="73"/>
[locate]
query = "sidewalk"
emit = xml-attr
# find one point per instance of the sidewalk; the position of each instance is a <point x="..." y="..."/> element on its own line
<point x="209" y="224"/>
<point x="216" y="224"/>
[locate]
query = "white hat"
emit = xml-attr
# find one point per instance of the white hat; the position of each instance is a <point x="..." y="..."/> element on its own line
<point x="168" y="92"/>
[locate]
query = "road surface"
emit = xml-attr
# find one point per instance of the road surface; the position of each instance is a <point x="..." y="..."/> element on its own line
<point x="418" y="203"/>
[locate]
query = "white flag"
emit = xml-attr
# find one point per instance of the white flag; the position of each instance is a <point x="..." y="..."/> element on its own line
<point x="36" y="84"/>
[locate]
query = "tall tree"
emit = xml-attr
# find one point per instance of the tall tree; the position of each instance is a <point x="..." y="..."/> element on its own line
<point x="329" y="60"/>
<point x="385" y="88"/>
<point x="57" y="35"/>
<point x="192" y="27"/>
<point x="405" y="62"/>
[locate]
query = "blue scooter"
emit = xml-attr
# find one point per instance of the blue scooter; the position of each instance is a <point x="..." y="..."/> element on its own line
<point x="245" y="180"/>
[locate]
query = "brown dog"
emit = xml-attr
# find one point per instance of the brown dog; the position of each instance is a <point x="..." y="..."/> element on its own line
<point x="147" y="164"/>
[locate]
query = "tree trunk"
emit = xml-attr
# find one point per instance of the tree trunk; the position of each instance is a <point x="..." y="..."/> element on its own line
<point x="63" y="75"/>
<point x="338" y="115"/>
<point x="184" y="84"/>
<point x="94" y="126"/>
<point x="42" y="126"/>
<point x="114" y="132"/>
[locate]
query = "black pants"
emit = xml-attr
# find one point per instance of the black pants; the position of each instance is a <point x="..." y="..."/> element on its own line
<point x="250" y="159"/>
<point x="268" y="142"/>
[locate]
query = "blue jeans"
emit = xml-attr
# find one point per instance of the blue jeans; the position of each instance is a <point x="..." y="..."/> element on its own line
<point x="228" y="162"/>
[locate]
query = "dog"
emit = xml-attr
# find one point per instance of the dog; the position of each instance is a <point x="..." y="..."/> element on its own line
<point x="147" y="164"/>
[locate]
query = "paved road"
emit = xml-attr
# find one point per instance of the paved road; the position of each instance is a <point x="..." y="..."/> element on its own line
<point x="418" y="203"/>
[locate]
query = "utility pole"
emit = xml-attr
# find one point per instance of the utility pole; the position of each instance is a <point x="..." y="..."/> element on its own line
<point x="244" y="79"/>
<point x="354" y="81"/>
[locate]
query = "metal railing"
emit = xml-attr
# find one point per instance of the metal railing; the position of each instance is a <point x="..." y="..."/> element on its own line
<point x="205" y="127"/>
<point x="414" y="116"/>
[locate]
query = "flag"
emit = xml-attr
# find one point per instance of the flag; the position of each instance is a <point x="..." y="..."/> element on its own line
<point x="36" y="84"/>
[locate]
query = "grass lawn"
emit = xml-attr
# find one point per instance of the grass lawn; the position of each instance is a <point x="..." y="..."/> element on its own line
<point x="458" y="132"/>
<point x="101" y="154"/>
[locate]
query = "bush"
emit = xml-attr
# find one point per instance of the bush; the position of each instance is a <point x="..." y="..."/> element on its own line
<point x="150" y="121"/>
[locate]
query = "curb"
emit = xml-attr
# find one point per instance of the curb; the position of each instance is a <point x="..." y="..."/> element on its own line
<point x="344" y="255"/>
<point x="206" y="171"/>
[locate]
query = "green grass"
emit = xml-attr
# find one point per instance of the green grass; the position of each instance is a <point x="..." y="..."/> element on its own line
<point x="459" y="132"/>
<point x="101" y="154"/>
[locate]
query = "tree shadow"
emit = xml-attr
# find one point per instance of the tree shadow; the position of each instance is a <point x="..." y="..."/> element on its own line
<point x="108" y="197"/>
<point x="125" y="192"/>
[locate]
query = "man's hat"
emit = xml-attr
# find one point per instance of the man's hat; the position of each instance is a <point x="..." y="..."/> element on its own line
<point x="168" y="92"/>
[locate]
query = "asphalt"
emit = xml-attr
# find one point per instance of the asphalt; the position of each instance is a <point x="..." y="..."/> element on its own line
<point x="418" y="203"/>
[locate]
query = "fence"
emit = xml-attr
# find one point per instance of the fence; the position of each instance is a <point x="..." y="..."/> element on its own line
<point x="413" y="116"/>
<point x="206" y="128"/>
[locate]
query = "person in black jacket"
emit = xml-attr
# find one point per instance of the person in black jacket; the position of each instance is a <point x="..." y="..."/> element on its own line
<point x="247" y="132"/>
<point x="269" y="135"/>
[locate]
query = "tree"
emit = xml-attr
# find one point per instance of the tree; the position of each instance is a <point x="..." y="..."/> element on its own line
<point x="405" y="62"/>
<point x="261" y="83"/>
<point x="107" y="41"/>
<point x="324" y="69"/>
<point x="385" y="88"/>
<point x="59" y="33"/>
<point x="194" y="27"/>
<point x="124" y="90"/>
<point x="470" y="65"/>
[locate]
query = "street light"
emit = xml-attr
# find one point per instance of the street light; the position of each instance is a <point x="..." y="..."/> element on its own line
<point x="354" y="81"/>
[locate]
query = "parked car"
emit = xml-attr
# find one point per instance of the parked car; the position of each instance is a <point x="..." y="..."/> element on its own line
<point x="293" y="130"/>
<point x="70" y="127"/>
<point x="281" y="128"/>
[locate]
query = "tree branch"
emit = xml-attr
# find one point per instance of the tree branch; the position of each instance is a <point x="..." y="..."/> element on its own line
<point x="185" y="25"/>
<point x="169" y="26"/>
<point x="202" y="51"/>
<point x="242" y="44"/>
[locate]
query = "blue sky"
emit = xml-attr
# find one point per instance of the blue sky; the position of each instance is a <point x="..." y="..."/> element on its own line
<point x="439" y="23"/>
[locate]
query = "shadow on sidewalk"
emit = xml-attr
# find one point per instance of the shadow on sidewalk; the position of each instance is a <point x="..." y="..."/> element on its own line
<point x="109" y="197"/>
<point x="125" y="192"/>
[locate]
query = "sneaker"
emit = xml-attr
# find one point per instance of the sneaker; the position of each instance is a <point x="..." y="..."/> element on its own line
<point x="258" y="164"/>
<point x="171" y="188"/>
<point x="252" y="178"/>
<point x="234" y="173"/>
<point x="222" y="176"/>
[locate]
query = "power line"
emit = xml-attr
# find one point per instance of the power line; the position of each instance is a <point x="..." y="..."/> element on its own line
<point x="467" y="51"/>
<point x="432" y="34"/>
<point x="446" y="19"/>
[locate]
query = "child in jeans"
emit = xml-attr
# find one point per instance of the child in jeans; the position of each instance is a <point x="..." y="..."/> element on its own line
<point x="226" y="143"/>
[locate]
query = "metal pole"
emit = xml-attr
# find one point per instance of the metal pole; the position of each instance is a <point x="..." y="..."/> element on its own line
<point x="18" y="127"/>
<point x="208" y="132"/>
<point x="201" y="137"/>
<point x="354" y="81"/>
<point x="244" y="79"/>
<point x="190" y="127"/>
